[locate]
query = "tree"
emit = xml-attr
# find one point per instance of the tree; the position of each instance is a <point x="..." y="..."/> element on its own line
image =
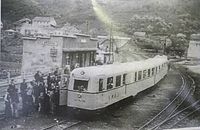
<point x="179" y="45"/>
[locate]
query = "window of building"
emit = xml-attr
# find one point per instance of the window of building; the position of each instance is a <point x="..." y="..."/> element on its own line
<point x="109" y="82"/>
<point x="54" y="59"/>
<point x="144" y="73"/>
<point x="156" y="70"/>
<point x="135" y="76"/>
<point x="80" y="85"/>
<point x="91" y="58"/>
<point x="124" y="79"/>
<point x="139" y="75"/>
<point x="118" y="81"/>
<point x="152" y="71"/>
<point x="83" y="41"/>
<point x="100" y="84"/>
<point x="149" y="72"/>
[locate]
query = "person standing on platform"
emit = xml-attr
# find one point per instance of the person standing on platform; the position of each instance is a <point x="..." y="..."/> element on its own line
<point x="37" y="77"/>
<point x="11" y="87"/>
<point x="56" y="100"/>
<point x="51" y="101"/>
<point x="41" y="79"/>
<point x="8" y="111"/>
<point x="13" y="92"/>
<point x="36" y="94"/>
<point x="56" y="72"/>
<point x="49" y="82"/>
<point x="46" y="103"/>
<point x="29" y="101"/>
<point x="23" y="89"/>
<point x="42" y="87"/>
<point x="41" y="103"/>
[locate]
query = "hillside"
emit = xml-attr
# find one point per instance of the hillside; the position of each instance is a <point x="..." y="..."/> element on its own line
<point x="78" y="12"/>
<point x="13" y="10"/>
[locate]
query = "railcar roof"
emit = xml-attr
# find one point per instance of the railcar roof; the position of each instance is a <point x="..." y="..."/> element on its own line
<point x="121" y="67"/>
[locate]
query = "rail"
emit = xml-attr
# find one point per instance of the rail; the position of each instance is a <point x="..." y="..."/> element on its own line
<point x="172" y="113"/>
<point x="63" y="125"/>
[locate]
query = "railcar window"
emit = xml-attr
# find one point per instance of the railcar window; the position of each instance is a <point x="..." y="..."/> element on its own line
<point x="124" y="79"/>
<point x="118" y="81"/>
<point x="80" y="85"/>
<point x="110" y="83"/>
<point x="153" y="69"/>
<point x="100" y="84"/>
<point x="144" y="73"/>
<point x="139" y="75"/>
<point x="149" y="72"/>
<point x="135" y="76"/>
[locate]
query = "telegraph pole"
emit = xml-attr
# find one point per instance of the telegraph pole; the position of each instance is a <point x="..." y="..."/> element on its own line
<point x="87" y="27"/>
<point x="110" y="44"/>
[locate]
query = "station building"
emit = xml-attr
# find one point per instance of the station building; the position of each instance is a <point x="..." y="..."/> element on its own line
<point x="57" y="51"/>
<point x="39" y="25"/>
<point x="194" y="47"/>
<point x="43" y="26"/>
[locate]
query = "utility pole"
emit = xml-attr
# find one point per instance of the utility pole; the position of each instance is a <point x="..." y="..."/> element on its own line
<point x="164" y="46"/>
<point x="111" y="44"/>
<point x="87" y="27"/>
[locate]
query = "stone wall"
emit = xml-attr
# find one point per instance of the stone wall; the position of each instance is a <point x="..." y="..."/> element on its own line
<point x="43" y="54"/>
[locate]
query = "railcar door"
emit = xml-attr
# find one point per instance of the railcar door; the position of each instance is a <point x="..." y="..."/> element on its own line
<point x="63" y="91"/>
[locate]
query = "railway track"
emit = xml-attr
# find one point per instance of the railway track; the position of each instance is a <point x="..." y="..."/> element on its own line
<point x="62" y="125"/>
<point x="176" y="107"/>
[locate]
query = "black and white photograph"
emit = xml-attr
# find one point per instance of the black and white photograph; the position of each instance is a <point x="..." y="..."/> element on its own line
<point x="100" y="65"/>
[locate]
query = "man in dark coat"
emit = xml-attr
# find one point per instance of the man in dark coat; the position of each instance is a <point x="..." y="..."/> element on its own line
<point x="11" y="88"/>
<point x="37" y="77"/>
<point x="36" y="94"/>
<point x="42" y="87"/>
<point x="41" y="79"/>
<point x="49" y="82"/>
<point x="8" y="111"/>
<point x="23" y="89"/>
<point x="29" y="101"/>
<point x="14" y="98"/>
<point x="44" y="103"/>
<point x="56" y="72"/>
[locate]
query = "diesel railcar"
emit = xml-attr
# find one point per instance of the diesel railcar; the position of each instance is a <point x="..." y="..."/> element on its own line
<point x="96" y="87"/>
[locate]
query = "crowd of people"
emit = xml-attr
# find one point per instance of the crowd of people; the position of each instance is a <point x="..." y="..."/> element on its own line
<point x="40" y="95"/>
